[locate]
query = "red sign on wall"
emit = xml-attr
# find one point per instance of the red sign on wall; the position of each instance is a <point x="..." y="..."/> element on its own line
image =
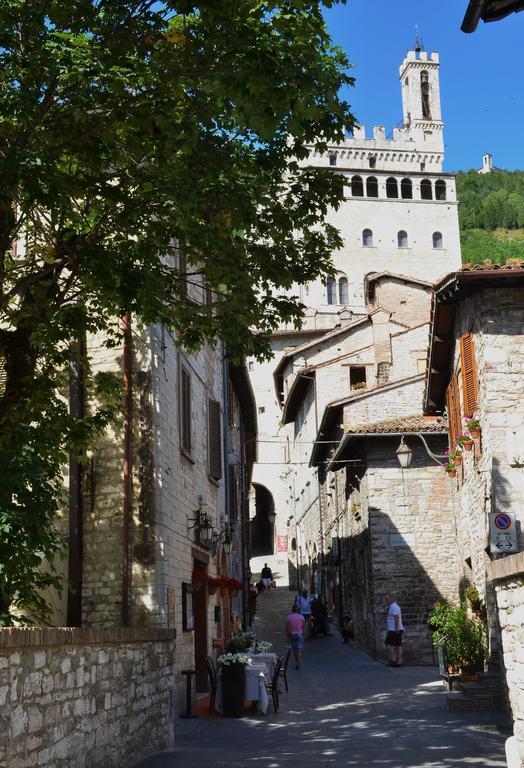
<point x="281" y="543"/>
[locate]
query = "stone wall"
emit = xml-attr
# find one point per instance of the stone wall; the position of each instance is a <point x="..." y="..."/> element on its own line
<point x="508" y="577"/>
<point x="80" y="698"/>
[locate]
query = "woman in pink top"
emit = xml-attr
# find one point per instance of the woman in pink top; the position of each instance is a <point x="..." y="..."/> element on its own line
<point x="295" y="632"/>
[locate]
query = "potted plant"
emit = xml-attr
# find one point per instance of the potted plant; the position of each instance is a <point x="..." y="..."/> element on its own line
<point x="233" y="671"/>
<point x="239" y="643"/>
<point x="235" y="587"/>
<point x="450" y="468"/>
<point x="198" y="579"/>
<point x="212" y="585"/>
<point x="463" y="637"/>
<point x="473" y="427"/>
<point x="465" y="441"/>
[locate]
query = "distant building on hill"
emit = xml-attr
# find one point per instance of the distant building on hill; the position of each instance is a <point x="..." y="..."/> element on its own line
<point x="487" y="165"/>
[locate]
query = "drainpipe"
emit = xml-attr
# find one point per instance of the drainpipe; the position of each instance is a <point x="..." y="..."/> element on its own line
<point x="128" y="421"/>
<point x="76" y="507"/>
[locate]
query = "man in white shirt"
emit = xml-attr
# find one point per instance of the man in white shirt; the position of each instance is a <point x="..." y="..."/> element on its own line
<point x="395" y="628"/>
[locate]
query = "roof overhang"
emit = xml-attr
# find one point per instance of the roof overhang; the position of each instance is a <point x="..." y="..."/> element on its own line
<point x="303" y="380"/>
<point x="340" y="455"/>
<point x="488" y="10"/>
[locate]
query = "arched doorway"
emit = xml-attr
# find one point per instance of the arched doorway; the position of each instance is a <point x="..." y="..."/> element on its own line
<point x="262" y="527"/>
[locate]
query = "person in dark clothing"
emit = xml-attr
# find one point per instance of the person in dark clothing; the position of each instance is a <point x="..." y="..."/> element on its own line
<point x="319" y="614"/>
<point x="266" y="577"/>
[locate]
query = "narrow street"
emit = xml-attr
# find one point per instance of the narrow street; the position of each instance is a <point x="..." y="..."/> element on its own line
<point x="343" y="709"/>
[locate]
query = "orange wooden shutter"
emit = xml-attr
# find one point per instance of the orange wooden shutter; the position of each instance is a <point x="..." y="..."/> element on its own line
<point x="452" y="399"/>
<point x="469" y="374"/>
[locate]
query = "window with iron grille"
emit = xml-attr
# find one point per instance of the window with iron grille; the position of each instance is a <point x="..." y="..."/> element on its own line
<point x="214" y="440"/>
<point x="185" y="411"/>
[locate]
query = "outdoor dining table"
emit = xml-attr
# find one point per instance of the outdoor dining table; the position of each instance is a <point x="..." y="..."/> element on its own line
<point x="269" y="659"/>
<point x="257" y="674"/>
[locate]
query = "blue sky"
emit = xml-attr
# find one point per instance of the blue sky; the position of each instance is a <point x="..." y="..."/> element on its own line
<point x="481" y="74"/>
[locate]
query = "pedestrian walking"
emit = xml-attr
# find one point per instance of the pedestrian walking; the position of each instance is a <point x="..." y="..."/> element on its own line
<point x="395" y="629"/>
<point x="303" y="603"/>
<point x="294" y="630"/>
<point x="266" y="577"/>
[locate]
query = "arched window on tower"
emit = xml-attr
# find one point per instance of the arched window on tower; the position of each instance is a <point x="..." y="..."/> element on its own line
<point x="426" y="192"/>
<point x="402" y="239"/>
<point x="437" y="239"/>
<point x="331" y="286"/>
<point x="406" y="189"/>
<point x="391" y="187"/>
<point x="424" y="95"/>
<point x="343" y="292"/>
<point x="367" y="238"/>
<point x="371" y="187"/>
<point x="440" y="190"/>
<point x="357" y="187"/>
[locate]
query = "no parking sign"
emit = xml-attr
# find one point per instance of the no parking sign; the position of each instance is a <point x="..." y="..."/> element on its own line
<point x="502" y="532"/>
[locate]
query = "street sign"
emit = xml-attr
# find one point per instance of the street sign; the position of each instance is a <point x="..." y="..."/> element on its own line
<point x="502" y="533"/>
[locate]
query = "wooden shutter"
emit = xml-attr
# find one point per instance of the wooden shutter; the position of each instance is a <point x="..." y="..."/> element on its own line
<point x="185" y="410"/>
<point x="453" y="403"/>
<point x="214" y="442"/>
<point x="469" y="374"/>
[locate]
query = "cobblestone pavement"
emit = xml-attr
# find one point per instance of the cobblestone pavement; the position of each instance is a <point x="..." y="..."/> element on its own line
<point x="343" y="709"/>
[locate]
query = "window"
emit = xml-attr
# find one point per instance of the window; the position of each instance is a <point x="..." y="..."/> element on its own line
<point x="426" y="192"/>
<point x="440" y="190"/>
<point x="332" y="158"/>
<point x="453" y="406"/>
<point x="343" y="292"/>
<point x="357" y="187"/>
<point x="391" y="187"/>
<point x="357" y="377"/>
<point x="406" y="189"/>
<point x="214" y="440"/>
<point x="424" y="93"/>
<point x="185" y="411"/>
<point x="372" y="187"/>
<point x="469" y="374"/>
<point x="402" y="239"/>
<point x="261" y="408"/>
<point x="372" y="161"/>
<point x="331" y="289"/>
<point x="437" y="239"/>
<point x="367" y="238"/>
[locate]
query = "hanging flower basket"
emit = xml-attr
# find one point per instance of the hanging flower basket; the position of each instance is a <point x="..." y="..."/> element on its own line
<point x="234" y="587"/>
<point x="198" y="579"/>
<point x="474" y="432"/>
<point x="457" y="459"/>
<point x="212" y="585"/>
<point x="467" y="445"/>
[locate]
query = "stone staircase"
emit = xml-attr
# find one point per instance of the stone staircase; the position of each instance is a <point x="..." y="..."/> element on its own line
<point x="481" y="696"/>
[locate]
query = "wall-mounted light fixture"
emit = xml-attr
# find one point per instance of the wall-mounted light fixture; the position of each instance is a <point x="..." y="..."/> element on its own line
<point x="202" y="523"/>
<point x="227" y="541"/>
<point x="405" y="454"/>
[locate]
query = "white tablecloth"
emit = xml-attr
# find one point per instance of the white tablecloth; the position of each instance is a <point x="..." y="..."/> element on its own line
<point x="269" y="659"/>
<point x="255" y="689"/>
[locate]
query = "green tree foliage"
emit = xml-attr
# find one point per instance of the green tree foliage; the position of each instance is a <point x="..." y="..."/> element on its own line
<point x="126" y="128"/>
<point x="491" y="215"/>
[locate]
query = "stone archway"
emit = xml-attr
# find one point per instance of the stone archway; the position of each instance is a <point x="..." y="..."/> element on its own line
<point x="262" y="530"/>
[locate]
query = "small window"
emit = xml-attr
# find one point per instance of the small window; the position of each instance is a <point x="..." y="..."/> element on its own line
<point x="426" y="192"/>
<point x="185" y="411"/>
<point x="331" y="290"/>
<point x="214" y="440"/>
<point x="332" y="159"/>
<point x="371" y="187"/>
<point x="391" y="187"/>
<point x="367" y="238"/>
<point x="406" y="189"/>
<point x="437" y="240"/>
<point x="402" y="239"/>
<point x="372" y="162"/>
<point x="251" y="366"/>
<point x="357" y="187"/>
<point x="261" y="409"/>
<point x="343" y="292"/>
<point x="422" y="167"/>
<point x="357" y="377"/>
<point x="440" y="190"/>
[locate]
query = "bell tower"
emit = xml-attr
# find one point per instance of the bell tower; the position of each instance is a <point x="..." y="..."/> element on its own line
<point x="419" y="78"/>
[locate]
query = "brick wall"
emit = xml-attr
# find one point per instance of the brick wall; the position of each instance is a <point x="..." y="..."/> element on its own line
<point x="80" y="698"/>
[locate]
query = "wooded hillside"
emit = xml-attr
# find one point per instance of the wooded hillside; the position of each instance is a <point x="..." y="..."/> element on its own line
<point x="491" y="214"/>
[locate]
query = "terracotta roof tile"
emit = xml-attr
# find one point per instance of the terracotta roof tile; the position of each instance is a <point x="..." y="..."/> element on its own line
<point x="487" y="266"/>
<point x="403" y="424"/>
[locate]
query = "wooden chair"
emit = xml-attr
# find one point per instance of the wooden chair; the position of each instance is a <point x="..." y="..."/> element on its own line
<point x="212" y="674"/>
<point x="272" y="687"/>
<point x="283" y="669"/>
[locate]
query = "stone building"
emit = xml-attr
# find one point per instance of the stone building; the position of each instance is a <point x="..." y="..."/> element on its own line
<point x="476" y="367"/>
<point x="400" y="234"/>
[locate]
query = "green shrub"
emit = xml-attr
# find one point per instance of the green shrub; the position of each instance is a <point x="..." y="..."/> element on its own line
<point x="462" y="636"/>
